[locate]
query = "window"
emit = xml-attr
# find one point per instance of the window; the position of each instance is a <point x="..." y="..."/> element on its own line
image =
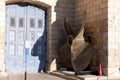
<point x="40" y="24"/>
<point x="12" y="22"/>
<point x="21" y="23"/>
<point x="32" y="23"/>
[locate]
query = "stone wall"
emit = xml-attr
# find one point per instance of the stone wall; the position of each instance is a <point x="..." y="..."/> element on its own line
<point x="113" y="38"/>
<point x="2" y="37"/>
<point x="102" y="26"/>
<point x="56" y="37"/>
<point x="56" y="34"/>
<point x="96" y="27"/>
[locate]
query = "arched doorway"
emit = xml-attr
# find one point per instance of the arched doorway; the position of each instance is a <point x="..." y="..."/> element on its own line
<point x="25" y="38"/>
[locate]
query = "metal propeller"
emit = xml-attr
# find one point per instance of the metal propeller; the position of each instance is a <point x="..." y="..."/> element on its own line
<point x="77" y="52"/>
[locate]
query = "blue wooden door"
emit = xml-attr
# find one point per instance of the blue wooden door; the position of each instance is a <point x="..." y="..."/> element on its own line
<point x="25" y="38"/>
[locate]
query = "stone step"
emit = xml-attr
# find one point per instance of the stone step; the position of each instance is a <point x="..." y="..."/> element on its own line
<point x="64" y="75"/>
<point x="68" y="75"/>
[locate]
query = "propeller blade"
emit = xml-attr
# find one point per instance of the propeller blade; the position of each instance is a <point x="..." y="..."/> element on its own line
<point x="67" y="27"/>
<point x="81" y="31"/>
<point x="84" y="21"/>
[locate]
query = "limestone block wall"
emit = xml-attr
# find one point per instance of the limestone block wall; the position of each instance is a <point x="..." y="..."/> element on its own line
<point x="102" y="26"/>
<point x="56" y="34"/>
<point x="114" y="38"/>
<point x="96" y="28"/>
<point x="2" y="37"/>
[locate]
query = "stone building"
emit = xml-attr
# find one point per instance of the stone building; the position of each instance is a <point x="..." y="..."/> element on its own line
<point x="102" y="25"/>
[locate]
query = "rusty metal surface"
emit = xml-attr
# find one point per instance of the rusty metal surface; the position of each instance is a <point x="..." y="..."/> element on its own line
<point x="76" y="53"/>
<point x="65" y="56"/>
<point x="83" y="59"/>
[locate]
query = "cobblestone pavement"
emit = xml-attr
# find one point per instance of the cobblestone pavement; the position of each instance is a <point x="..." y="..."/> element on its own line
<point x="31" y="76"/>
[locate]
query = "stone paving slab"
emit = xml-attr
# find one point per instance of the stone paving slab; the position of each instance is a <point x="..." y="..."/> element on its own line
<point x="78" y="77"/>
<point x="72" y="75"/>
<point x="31" y="76"/>
<point x="58" y="75"/>
<point x="3" y="78"/>
<point x="38" y="76"/>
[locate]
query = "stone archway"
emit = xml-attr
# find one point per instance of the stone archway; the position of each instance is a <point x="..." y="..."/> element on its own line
<point x="38" y="3"/>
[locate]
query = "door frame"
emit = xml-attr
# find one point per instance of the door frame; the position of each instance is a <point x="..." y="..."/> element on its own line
<point x="45" y="26"/>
